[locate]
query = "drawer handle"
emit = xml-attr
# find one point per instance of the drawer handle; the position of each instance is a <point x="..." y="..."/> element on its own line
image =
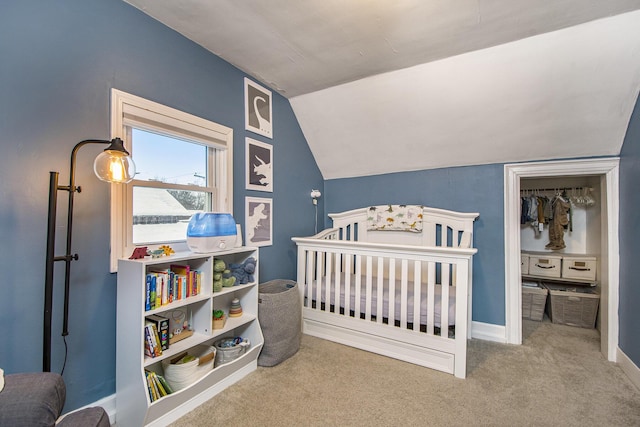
<point x="576" y="299"/>
<point x="580" y="268"/>
<point x="545" y="266"/>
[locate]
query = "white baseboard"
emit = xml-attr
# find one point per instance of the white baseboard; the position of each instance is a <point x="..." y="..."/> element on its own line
<point x="628" y="367"/>
<point x="489" y="332"/>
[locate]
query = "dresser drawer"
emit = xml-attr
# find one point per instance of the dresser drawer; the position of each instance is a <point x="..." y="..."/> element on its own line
<point x="545" y="265"/>
<point x="583" y="268"/>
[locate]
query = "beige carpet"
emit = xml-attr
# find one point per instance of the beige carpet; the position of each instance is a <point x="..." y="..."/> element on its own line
<point x="557" y="377"/>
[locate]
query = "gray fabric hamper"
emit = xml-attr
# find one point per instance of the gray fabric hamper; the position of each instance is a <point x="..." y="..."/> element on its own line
<point x="280" y="316"/>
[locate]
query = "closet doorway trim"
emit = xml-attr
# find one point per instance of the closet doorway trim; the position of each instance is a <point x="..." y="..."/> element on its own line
<point x="607" y="168"/>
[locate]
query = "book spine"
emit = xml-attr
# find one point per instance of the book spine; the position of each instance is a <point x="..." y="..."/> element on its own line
<point x="165" y="384"/>
<point x="162" y="392"/>
<point x="158" y="290"/>
<point x="156" y="349"/>
<point x="148" y="343"/>
<point x="154" y="387"/>
<point x="147" y="298"/>
<point x="165" y="288"/>
<point x="152" y="293"/>
<point x="149" y="386"/>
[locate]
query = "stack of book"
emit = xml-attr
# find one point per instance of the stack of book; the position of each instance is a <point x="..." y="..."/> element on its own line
<point x="156" y="335"/>
<point x="173" y="284"/>
<point x="156" y="384"/>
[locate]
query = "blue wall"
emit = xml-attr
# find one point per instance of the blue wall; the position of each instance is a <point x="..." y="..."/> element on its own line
<point x="629" y="341"/>
<point x="468" y="189"/>
<point x="59" y="61"/>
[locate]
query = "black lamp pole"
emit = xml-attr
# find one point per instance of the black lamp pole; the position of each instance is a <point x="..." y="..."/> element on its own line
<point x="117" y="145"/>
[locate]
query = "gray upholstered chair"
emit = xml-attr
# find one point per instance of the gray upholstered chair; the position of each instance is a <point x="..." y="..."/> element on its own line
<point x="37" y="399"/>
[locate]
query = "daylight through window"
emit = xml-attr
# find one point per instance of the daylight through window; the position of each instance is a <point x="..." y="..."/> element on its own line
<point x="184" y="165"/>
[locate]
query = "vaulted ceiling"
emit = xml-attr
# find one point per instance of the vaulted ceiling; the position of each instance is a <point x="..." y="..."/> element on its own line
<point x="381" y="86"/>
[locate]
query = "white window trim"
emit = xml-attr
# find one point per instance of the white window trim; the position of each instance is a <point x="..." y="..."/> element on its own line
<point x="140" y="110"/>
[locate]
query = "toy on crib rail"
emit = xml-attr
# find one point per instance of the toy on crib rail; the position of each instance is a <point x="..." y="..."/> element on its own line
<point x="243" y="272"/>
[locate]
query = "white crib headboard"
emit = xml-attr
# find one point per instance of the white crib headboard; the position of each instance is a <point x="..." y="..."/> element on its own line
<point x="441" y="227"/>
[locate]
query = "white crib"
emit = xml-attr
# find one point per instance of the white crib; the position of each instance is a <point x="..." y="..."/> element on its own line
<point x="359" y="287"/>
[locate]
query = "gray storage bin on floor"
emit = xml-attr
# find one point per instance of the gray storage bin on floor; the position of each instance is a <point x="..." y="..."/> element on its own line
<point x="280" y="316"/>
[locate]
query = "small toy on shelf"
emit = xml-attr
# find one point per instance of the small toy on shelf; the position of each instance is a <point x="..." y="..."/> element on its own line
<point x="221" y="277"/>
<point x="180" y="328"/>
<point x="139" y="253"/>
<point x="243" y="272"/>
<point x="168" y="250"/>
<point x="236" y="309"/>
<point x="156" y="253"/>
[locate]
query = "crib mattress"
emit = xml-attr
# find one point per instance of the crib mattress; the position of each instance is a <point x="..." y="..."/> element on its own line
<point x="385" y="305"/>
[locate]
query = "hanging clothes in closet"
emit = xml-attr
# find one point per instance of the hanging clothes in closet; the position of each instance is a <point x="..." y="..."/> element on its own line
<point x="559" y="223"/>
<point x="555" y="212"/>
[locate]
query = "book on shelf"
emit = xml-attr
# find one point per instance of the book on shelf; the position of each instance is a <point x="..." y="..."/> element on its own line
<point x="157" y="385"/>
<point x="165" y="384"/>
<point x="152" y="393"/>
<point x="152" y="340"/>
<point x="183" y="272"/>
<point x="162" y="326"/>
<point x="163" y="287"/>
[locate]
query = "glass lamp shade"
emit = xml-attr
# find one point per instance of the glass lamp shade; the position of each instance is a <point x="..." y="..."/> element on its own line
<point x="114" y="166"/>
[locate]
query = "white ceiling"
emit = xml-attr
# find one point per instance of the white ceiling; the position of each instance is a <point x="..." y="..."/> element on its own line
<point x="383" y="86"/>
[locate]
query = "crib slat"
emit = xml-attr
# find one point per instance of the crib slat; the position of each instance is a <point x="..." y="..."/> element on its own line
<point x="379" y="290"/>
<point x="392" y="292"/>
<point x="443" y="235"/>
<point x="347" y="284"/>
<point x="431" y="299"/>
<point x="417" y="282"/>
<point x="368" y="289"/>
<point x="403" y="293"/>
<point x="336" y="279"/>
<point x="444" y="302"/>
<point x="319" y="274"/>
<point x="327" y="286"/>
<point x="309" y="277"/>
<point x="358" y="293"/>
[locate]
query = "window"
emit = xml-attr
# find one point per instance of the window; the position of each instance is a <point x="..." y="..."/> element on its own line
<point x="184" y="165"/>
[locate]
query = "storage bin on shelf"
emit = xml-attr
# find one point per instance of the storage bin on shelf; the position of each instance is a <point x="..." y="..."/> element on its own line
<point x="229" y="349"/>
<point x="545" y="265"/>
<point x="534" y="300"/>
<point x="183" y="375"/>
<point x="573" y="305"/>
<point x="579" y="267"/>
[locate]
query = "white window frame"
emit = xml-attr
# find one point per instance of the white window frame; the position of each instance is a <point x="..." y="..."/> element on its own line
<point x="133" y="111"/>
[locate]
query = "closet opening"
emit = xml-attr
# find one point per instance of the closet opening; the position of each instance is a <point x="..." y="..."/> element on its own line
<point x="594" y="233"/>
<point x="560" y="245"/>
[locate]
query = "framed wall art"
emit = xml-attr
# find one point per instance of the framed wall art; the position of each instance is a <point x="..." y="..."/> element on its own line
<point x="259" y="165"/>
<point x="258" y="115"/>
<point x="258" y="221"/>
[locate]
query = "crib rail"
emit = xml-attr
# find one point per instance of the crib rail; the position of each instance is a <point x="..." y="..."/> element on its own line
<point x="342" y="284"/>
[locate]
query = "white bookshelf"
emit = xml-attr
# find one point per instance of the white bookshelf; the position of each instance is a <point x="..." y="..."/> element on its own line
<point x="133" y="404"/>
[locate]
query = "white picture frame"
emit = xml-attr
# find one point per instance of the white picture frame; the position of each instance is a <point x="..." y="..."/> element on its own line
<point x="258" y="165"/>
<point x="258" y="111"/>
<point x="258" y="221"/>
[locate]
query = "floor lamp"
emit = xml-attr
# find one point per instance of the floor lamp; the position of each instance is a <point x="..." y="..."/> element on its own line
<point x="114" y="164"/>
